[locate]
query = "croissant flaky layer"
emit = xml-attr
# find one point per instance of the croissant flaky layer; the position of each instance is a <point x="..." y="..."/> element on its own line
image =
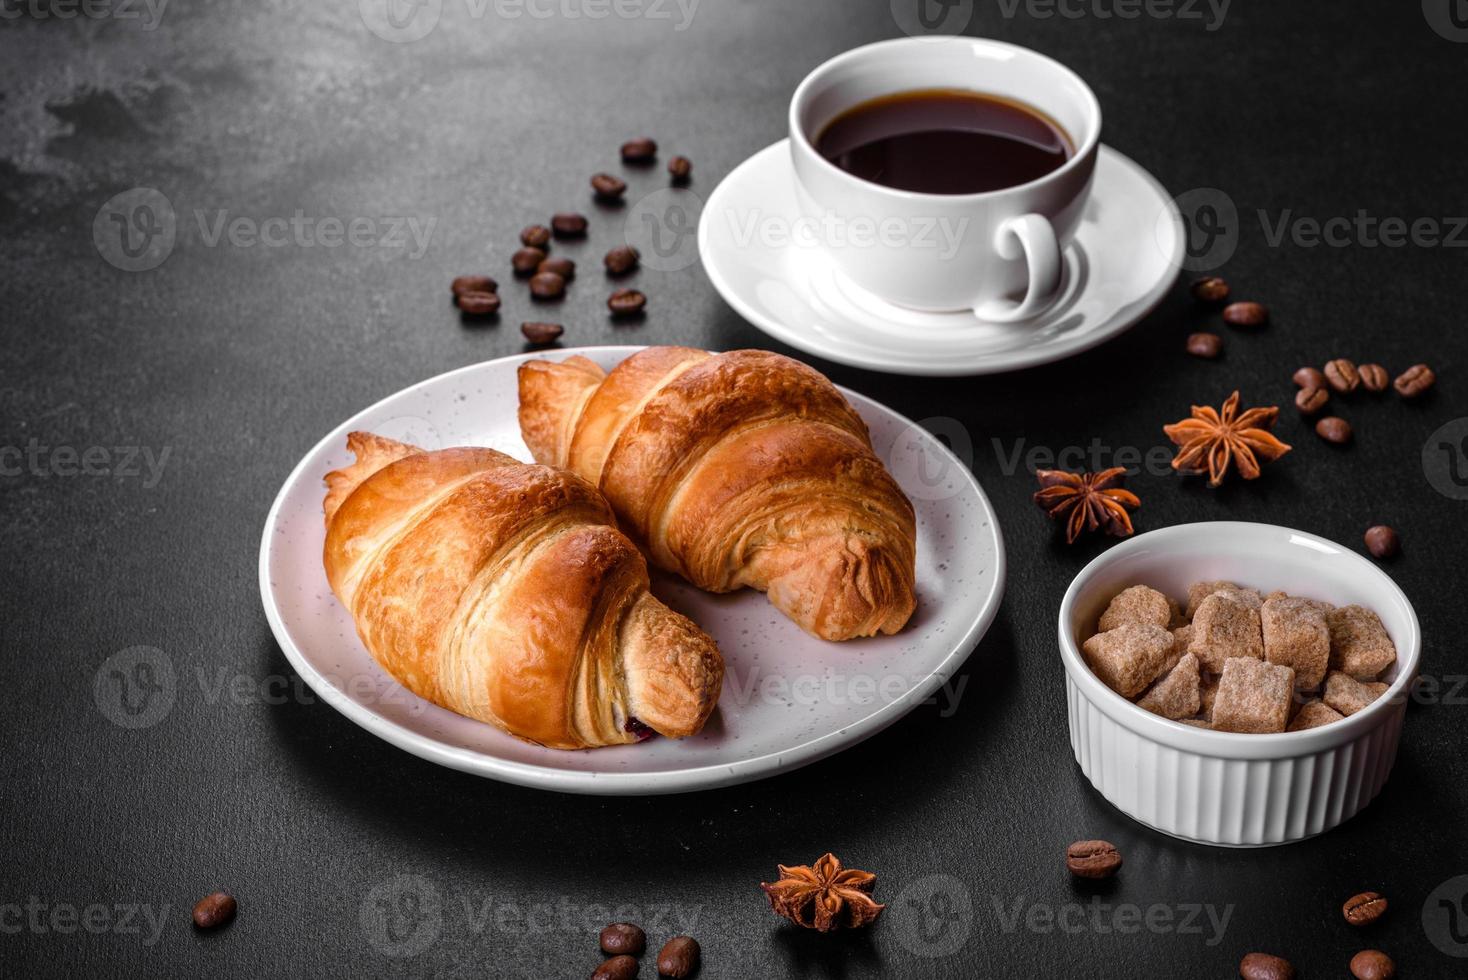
<point x="732" y="470"/>
<point x="504" y="591"/>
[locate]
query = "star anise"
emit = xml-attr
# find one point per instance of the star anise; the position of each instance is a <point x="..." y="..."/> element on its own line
<point x="1087" y="501"/>
<point x="824" y="896"/>
<point x="1211" y="440"/>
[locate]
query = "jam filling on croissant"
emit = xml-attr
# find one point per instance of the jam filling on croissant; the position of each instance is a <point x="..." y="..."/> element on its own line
<point x="637" y="728"/>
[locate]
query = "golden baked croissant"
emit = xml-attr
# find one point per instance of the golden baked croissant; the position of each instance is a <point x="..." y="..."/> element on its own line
<point x="738" y="469"/>
<point x="504" y="591"/>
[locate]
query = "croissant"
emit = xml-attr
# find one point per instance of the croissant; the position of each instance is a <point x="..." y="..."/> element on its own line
<point x="732" y="470"/>
<point x="504" y="591"/>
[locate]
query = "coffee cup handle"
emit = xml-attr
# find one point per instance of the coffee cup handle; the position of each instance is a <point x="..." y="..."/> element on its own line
<point x="1031" y="237"/>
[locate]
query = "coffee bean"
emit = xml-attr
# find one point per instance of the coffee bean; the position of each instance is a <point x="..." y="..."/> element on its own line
<point x="1245" y="314"/>
<point x="1372" y="964"/>
<point x="547" y="285"/>
<point x="1367" y="907"/>
<point x="1262" y="966"/>
<point x="1414" y="381"/>
<point x="626" y="302"/>
<point x="473" y="284"/>
<point x="1311" y="400"/>
<point x="607" y="187"/>
<point x="526" y="261"/>
<point x="1333" y="429"/>
<point x="214" y="910"/>
<point x="535" y="236"/>
<point x="1208" y="345"/>
<point x="1374" y="377"/>
<point x="568" y="224"/>
<point x="1309" y="377"/>
<point x="623" y="938"/>
<point x="1092" y="859"/>
<point x="621" y="260"/>
<point x="543" y="333"/>
<point x="640" y="150"/>
<point x="679" y="957"/>
<point x="560" y="265"/>
<point x="616" y="968"/>
<point x="1210" y="289"/>
<point x="1342" y="375"/>
<point x="681" y="168"/>
<point x="479" y="304"/>
<point x="1382" y="542"/>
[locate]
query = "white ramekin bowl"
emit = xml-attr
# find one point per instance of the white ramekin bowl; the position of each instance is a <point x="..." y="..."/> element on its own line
<point x="1220" y="787"/>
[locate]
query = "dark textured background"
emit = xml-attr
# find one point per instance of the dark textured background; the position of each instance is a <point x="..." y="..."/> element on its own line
<point x="236" y="360"/>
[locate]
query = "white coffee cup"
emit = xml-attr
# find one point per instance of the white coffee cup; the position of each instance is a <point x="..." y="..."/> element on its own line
<point x="997" y="253"/>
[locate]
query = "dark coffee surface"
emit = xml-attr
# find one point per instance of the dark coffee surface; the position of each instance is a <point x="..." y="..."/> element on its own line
<point x="944" y="141"/>
<point x="351" y="858"/>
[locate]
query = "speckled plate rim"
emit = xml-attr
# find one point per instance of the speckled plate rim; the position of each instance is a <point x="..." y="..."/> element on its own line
<point x="609" y="783"/>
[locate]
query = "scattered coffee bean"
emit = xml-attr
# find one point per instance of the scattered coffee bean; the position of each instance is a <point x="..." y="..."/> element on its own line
<point x="1367" y="907"/>
<point x="1262" y="966"/>
<point x="526" y="261"/>
<point x="1092" y="859"/>
<point x="1210" y="289"/>
<point x="623" y="939"/>
<point x="535" y="236"/>
<point x="640" y="150"/>
<point x="560" y="265"/>
<point x="1333" y="429"/>
<point x="621" y="260"/>
<point x="547" y="285"/>
<point x="1309" y="377"/>
<point x="473" y="284"/>
<point x="679" y="957"/>
<point x="616" y="968"/>
<point x="1342" y="375"/>
<point x="1245" y="314"/>
<point x="568" y="224"/>
<point x="607" y="187"/>
<point x="1414" y="381"/>
<point x="479" y="304"/>
<point x="1372" y="964"/>
<point x="1208" y="345"/>
<point x="681" y="168"/>
<point x="1374" y="377"/>
<point x="214" y="910"/>
<point x="1382" y="542"/>
<point x="1311" y="400"/>
<point x="626" y="302"/>
<point x="538" y="332"/>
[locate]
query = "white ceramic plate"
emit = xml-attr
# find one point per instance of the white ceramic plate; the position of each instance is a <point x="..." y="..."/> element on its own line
<point x="1125" y="256"/>
<point x="788" y="698"/>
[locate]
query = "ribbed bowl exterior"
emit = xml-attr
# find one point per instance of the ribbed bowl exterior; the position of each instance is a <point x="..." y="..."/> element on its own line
<point x="1234" y="802"/>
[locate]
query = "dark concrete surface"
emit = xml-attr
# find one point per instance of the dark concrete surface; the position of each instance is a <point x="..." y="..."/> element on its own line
<point x="147" y="419"/>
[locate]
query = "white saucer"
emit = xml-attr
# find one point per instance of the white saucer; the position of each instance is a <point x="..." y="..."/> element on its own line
<point x="1125" y="256"/>
<point x="788" y="699"/>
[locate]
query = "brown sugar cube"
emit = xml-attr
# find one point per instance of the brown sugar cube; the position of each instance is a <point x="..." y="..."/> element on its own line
<point x="1296" y="636"/>
<point x="1276" y="594"/>
<point x="1253" y="696"/>
<point x="1313" y="714"/>
<point x="1129" y="657"/>
<point x="1176" y="694"/>
<point x="1178" y="619"/>
<point x="1249" y="597"/>
<point x="1195" y="722"/>
<point x="1199" y="591"/>
<point x="1359" y="644"/>
<point x="1346" y="694"/>
<point x="1183" y="635"/>
<point x="1224" y="628"/>
<point x="1207" y="694"/>
<point x="1138" y="604"/>
<point x="1377" y="687"/>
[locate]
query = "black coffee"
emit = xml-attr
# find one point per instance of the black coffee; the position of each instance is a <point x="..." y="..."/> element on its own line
<point x="945" y="141"/>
